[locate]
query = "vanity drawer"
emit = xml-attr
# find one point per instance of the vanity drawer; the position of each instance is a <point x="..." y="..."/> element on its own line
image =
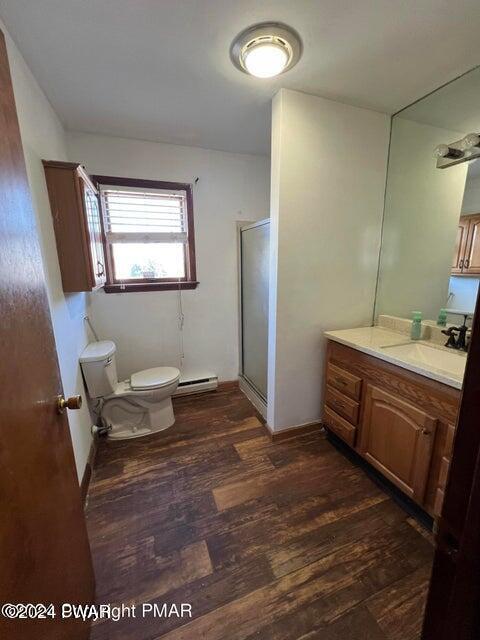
<point x="346" y="407"/>
<point x="339" y="426"/>
<point x="344" y="381"/>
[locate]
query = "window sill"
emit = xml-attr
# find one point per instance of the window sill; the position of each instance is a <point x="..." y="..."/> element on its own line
<point x="150" y="286"/>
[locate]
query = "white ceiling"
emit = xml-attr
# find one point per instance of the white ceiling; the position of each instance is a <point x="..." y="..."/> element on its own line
<point x="160" y="69"/>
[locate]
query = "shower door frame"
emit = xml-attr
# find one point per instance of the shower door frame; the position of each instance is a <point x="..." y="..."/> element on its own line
<point x="247" y="386"/>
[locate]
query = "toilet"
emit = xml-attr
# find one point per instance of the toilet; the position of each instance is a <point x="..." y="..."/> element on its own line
<point x="136" y="407"/>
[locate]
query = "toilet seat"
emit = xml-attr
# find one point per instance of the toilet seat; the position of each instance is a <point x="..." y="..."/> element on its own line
<point x="154" y="378"/>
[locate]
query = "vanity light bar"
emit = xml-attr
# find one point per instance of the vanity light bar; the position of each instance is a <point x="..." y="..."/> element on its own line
<point x="468" y="148"/>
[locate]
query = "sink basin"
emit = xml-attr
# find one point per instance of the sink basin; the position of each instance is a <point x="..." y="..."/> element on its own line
<point x="422" y="354"/>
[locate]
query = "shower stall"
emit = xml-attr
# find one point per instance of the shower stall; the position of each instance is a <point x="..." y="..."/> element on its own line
<point x="253" y="288"/>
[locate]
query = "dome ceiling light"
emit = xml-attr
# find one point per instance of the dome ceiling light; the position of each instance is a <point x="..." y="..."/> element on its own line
<point x="266" y="50"/>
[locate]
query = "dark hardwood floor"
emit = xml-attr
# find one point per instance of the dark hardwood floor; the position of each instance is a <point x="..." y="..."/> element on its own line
<point x="284" y="541"/>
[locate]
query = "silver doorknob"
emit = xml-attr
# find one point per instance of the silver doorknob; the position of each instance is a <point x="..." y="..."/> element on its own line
<point x="73" y="402"/>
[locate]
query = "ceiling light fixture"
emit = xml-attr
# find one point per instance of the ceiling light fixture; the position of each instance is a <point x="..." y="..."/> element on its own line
<point x="266" y="50"/>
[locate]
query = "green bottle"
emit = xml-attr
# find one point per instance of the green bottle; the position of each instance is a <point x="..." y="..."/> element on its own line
<point x="442" y="318"/>
<point x="416" y="325"/>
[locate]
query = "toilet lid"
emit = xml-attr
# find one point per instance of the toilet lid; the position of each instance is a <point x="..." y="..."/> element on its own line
<point x="153" y="378"/>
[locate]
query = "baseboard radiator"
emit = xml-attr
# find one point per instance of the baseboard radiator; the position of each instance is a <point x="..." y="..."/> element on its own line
<point x="196" y="384"/>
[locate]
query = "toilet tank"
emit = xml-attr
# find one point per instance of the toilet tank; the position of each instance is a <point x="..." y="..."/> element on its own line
<point x="99" y="368"/>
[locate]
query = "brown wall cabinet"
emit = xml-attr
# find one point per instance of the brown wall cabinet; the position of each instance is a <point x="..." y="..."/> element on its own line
<point x="77" y="224"/>
<point x="399" y="422"/>
<point x="466" y="260"/>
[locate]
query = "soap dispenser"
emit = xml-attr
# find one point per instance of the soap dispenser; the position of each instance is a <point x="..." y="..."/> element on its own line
<point x="442" y="318"/>
<point x="416" y="332"/>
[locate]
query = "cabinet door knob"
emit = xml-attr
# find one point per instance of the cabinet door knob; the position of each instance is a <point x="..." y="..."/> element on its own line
<point x="460" y="264"/>
<point x="426" y="432"/>
<point x="466" y="263"/>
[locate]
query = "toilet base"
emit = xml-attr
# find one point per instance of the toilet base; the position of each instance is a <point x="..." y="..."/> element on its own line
<point x="127" y="420"/>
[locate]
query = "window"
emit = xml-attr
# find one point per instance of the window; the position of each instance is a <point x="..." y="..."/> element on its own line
<point x="148" y="234"/>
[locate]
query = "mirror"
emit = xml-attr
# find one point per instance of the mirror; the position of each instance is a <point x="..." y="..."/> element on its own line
<point x="430" y="254"/>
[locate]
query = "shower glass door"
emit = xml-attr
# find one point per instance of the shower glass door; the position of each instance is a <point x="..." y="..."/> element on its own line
<point x="254" y="244"/>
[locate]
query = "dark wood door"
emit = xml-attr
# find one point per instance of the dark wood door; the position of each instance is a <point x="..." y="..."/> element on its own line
<point x="45" y="555"/>
<point x="460" y="245"/>
<point x="453" y="610"/>
<point x="471" y="263"/>
<point x="397" y="439"/>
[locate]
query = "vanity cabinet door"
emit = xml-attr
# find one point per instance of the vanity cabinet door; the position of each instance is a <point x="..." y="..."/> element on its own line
<point x="471" y="263"/>
<point x="460" y="245"/>
<point x="397" y="439"/>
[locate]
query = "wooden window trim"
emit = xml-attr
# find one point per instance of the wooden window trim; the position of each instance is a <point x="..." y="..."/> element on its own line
<point x="137" y="285"/>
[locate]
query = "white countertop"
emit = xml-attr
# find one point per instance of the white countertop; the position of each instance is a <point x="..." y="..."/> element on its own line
<point x="371" y="340"/>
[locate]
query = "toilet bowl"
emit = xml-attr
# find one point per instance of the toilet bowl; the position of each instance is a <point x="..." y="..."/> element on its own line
<point x="131" y="408"/>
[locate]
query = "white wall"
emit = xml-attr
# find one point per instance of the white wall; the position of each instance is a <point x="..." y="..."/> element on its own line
<point x="471" y="197"/>
<point x="328" y="180"/>
<point x="43" y="137"/>
<point x="422" y="208"/>
<point x="144" y="326"/>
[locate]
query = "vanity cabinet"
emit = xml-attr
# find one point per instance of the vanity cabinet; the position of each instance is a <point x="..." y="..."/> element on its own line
<point x="466" y="260"/>
<point x="401" y="423"/>
<point x="342" y="409"/>
<point x="460" y="244"/>
<point x="442" y="468"/>
<point x="77" y="225"/>
<point x="397" y="439"/>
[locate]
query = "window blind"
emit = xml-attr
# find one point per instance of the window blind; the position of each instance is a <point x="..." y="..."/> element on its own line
<point x="133" y="215"/>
